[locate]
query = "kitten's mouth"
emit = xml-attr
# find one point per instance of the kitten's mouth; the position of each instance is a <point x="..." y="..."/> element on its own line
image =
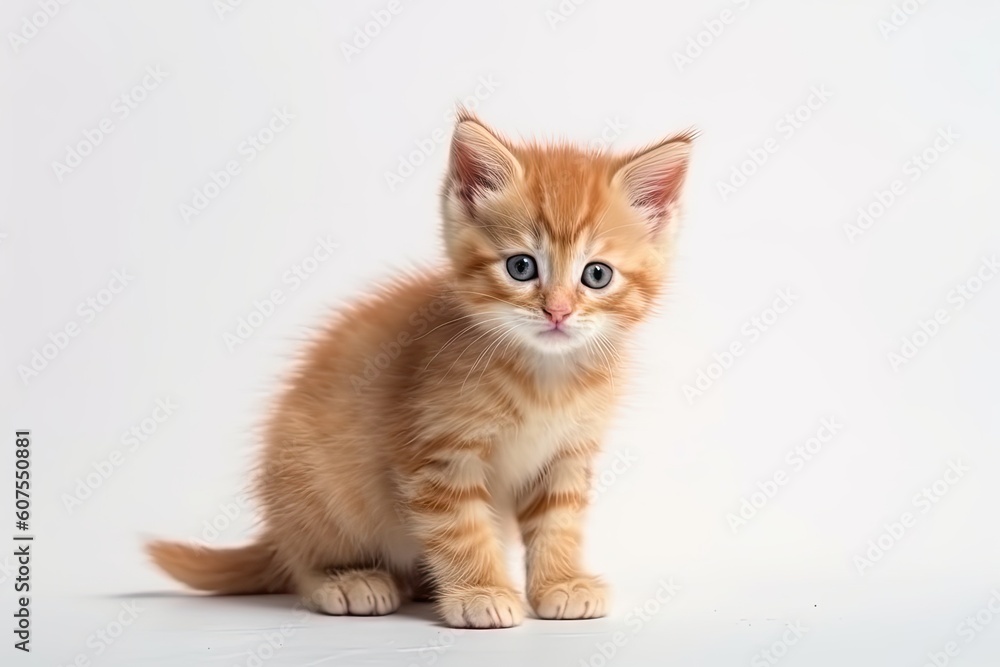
<point x="555" y="332"/>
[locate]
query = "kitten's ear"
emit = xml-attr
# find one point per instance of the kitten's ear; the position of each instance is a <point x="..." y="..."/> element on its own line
<point x="652" y="178"/>
<point x="480" y="162"/>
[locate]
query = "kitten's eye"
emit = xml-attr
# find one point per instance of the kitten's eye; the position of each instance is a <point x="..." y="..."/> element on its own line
<point x="522" y="267"/>
<point x="596" y="275"/>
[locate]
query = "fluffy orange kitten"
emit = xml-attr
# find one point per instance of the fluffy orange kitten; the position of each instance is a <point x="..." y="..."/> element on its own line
<point x="451" y="403"/>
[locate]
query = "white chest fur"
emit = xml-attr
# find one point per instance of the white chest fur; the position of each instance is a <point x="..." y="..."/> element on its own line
<point x="521" y="453"/>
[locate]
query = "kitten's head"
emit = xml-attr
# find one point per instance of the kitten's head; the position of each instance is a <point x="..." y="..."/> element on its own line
<point x="561" y="247"/>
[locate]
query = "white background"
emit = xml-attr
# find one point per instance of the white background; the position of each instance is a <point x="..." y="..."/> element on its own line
<point x="692" y="459"/>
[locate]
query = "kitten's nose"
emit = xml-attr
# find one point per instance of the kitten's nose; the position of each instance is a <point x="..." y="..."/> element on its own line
<point x="557" y="311"/>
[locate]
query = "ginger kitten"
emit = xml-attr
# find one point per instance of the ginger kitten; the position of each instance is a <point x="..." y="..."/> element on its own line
<point x="385" y="477"/>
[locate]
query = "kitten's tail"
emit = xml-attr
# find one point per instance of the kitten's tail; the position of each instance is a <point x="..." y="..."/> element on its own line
<point x="245" y="570"/>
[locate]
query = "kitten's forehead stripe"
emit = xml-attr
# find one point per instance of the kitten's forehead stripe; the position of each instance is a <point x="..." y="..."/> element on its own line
<point x="569" y="186"/>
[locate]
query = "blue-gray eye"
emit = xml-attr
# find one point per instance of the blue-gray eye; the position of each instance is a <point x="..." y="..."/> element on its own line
<point x="522" y="267"/>
<point x="596" y="275"/>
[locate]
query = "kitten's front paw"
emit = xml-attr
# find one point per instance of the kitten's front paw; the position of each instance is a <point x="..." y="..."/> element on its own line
<point x="355" y="593"/>
<point x="493" y="607"/>
<point x="582" y="597"/>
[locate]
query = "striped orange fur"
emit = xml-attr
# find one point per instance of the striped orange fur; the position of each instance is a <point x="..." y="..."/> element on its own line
<point x="449" y="402"/>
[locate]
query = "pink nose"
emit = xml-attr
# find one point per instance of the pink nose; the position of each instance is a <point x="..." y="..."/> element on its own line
<point x="557" y="312"/>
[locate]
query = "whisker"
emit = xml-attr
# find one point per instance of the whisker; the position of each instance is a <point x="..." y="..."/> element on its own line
<point x="605" y="344"/>
<point x="490" y="358"/>
<point x="490" y="296"/>
<point x="450" y="340"/>
<point x="487" y="349"/>
<point x="467" y="349"/>
<point x="461" y="317"/>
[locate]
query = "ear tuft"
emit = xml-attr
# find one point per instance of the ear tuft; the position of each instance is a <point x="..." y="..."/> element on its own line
<point x="652" y="178"/>
<point x="480" y="161"/>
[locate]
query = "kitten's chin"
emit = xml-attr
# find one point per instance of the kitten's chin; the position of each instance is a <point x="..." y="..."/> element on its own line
<point x="556" y="341"/>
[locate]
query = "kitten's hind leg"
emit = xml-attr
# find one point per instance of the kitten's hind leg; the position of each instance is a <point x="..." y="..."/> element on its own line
<point x="350" y="592"/>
